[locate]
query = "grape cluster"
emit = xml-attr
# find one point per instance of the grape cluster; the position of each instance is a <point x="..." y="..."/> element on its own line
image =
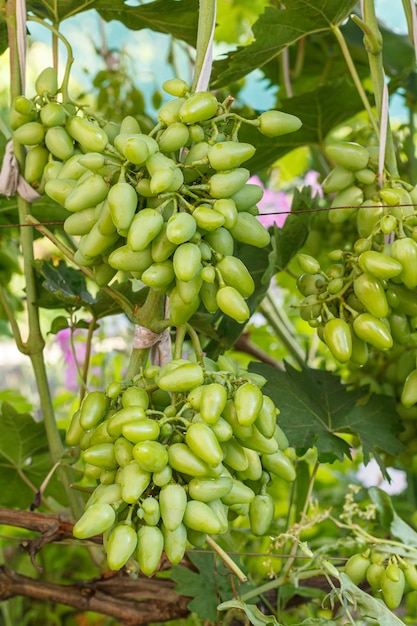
<point x="390" y="577"/>
<point x="165" y="207"/>
<point x="175" y="455"/>
<point x="365" y="298"/>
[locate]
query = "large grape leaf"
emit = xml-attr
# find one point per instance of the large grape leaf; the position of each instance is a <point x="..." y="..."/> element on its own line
<point x="316" y="410"/>
<point x="174" y="17"/>
<point x="24" y="459"/>
<point x="320" y="110"/>
<point x="275" y="30"/>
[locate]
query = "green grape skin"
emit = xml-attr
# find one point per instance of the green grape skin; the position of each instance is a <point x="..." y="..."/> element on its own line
<point x="338" y="338"/>
<point x="373" y="331"/>
<point x="150" y="544"/>
<point x="370" y="292"/>
<point x="349" y="154"/>
<point x="95" y="520"/>
<point x="276" y="123"/>
<point x="120" y="546"/>
<point x="198" y="107"/>
<point x="172" y="502"/>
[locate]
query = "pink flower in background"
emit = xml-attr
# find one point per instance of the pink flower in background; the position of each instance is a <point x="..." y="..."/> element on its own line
<point x="273" y="206"/>
<point x="310" y="180"/>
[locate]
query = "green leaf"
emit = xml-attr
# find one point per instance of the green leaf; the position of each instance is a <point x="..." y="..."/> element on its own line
<point x="206" y="586"/>
<point x="389" y="518"/>
<point x="252" y="612"/>
<point x="277" y="29"/>
<point x="57" y="324"/>
<point x="320" y="110"/>
<point x="376" y="423"/>
<point x="316" y="410"/>
<point x="64" y="287"/>
<point x="65" y="284"/>
<point x="24" y="459"/>
<point x="16" y="400"/>
<point x="179" y="19"/>
<point x="286" y="241"/>
<point x="172" y="17"/>
<point x="370" y="607"/>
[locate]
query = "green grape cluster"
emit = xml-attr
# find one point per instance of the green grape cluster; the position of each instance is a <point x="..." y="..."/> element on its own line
<point x="365" y="298"/>
<point x="390" y="578"/>
<point x="175" y="456"/>
<point x="164" y="207"/>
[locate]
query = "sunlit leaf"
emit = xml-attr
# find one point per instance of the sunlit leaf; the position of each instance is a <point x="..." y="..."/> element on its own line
<point x="275" y="30"/>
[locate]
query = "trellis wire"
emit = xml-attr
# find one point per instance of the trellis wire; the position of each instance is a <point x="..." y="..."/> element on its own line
<point x="316" y="210"/>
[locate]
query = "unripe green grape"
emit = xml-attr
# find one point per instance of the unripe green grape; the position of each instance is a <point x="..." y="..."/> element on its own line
<point x="175" y="87"/>
<point x="29" y="134"/>
<point x="335" y="285"/>
<point x="220" y="240"/>
<point x="174" y="137"/>
<point x="339" y="178"/>
<point x="311" y="284"/>
<point x="225" y="184"/>
<point x="365" y="176"/>
<point x="208" y="274"/>
<point x="308" y="264"/>
<point x="196" y="133"/>
<point x="356" y="567"/>
<point x="53" y="114"/>
<point x="368" y="217"/>
<point x="230" y="302"/>
<point x="392" y="586"/>
<point x="310" y="308"/>
<point x="35" y="163"/>
<point x="135" y="149"/>
<point x="180" y="227"/>
<point x="23" y="105"/>
<point x="46" y="84"/>
<point x="227" y="208"/>
<point x="344" y="204"/>
<point x="198" y="107"/>
<point x="227" y="155"/>
<point x="361" y="245"/>
<point x="350" y="154"/>
<point x="248" y="196"/>
<point x="169" y="112"/>
<point x="276" y="123"/>
<point x="144" y="227"/>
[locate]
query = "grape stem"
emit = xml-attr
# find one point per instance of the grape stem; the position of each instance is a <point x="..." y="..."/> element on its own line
<point x="352" y="70"/>
<point x="203" y="59"/>
<point x="34" y="345"/>
<point x="70" y="56"/>
<point x="226" y="558"/>
<point x="373" y="45"/>
<point x="282" y="327"/>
